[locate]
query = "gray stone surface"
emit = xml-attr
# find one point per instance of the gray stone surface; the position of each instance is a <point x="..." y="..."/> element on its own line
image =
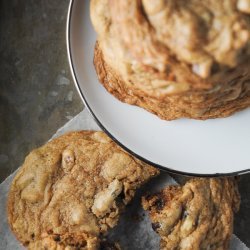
<point x="37" y="95"/>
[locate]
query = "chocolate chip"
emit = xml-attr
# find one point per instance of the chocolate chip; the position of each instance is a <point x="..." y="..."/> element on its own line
<point x="32" y="236"/>
<point x="149" y="197"/>
<point x="155" y="226"/>
<point x="57" y="238"/>
<point x="26" y="243"/>
<point x="159" y="204"/>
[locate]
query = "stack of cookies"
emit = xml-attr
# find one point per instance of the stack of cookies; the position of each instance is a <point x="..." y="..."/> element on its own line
<point x="175" y="58"/>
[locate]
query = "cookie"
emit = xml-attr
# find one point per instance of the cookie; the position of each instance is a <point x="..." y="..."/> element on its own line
<point x="55" y="243"/>
<point x="197" y="216"/>
<point x="70" y="191"/>
<point x="171" y="58"/>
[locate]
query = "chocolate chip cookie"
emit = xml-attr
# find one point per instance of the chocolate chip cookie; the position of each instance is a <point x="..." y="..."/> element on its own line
<point x="70" y="191"/>
<point x="197" y="216"/>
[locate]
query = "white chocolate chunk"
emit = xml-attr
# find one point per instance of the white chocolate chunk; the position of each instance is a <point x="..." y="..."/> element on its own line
<point x="104" y="200"/>
<point x="244" y="6"/>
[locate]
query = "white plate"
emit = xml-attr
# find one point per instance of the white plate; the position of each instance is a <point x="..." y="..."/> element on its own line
<point x="191" y="147"/>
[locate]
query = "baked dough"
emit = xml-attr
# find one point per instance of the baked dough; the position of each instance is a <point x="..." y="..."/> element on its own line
<point x="197" y="216"/>
<point x="70" y="191"/>
<point x="175" y="58"/>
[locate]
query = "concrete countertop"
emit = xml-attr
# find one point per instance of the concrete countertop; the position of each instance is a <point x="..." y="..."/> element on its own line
<point x="37" y="92"/>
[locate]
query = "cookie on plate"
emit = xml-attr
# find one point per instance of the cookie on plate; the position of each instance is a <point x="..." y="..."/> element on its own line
<point x="175" y="58"/>
<point x="197" y="216"/>
<point x="70" y="191"/>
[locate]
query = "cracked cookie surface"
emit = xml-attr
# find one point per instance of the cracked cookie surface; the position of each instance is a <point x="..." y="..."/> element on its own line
<point x="197" y="216"/>
<point x="72" y="190"/>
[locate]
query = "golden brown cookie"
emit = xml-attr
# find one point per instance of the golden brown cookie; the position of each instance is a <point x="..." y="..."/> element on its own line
<point x="175" y="58"/>
<point x="55" y="243"/>
<point x="70" y="191"/>
<point x="197" y="216"/>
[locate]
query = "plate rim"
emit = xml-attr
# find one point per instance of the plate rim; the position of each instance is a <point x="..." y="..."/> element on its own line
<point x="77" y="85"/>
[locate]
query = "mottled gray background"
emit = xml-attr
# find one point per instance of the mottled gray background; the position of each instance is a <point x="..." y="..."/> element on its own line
<point x="37" y="94"/>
